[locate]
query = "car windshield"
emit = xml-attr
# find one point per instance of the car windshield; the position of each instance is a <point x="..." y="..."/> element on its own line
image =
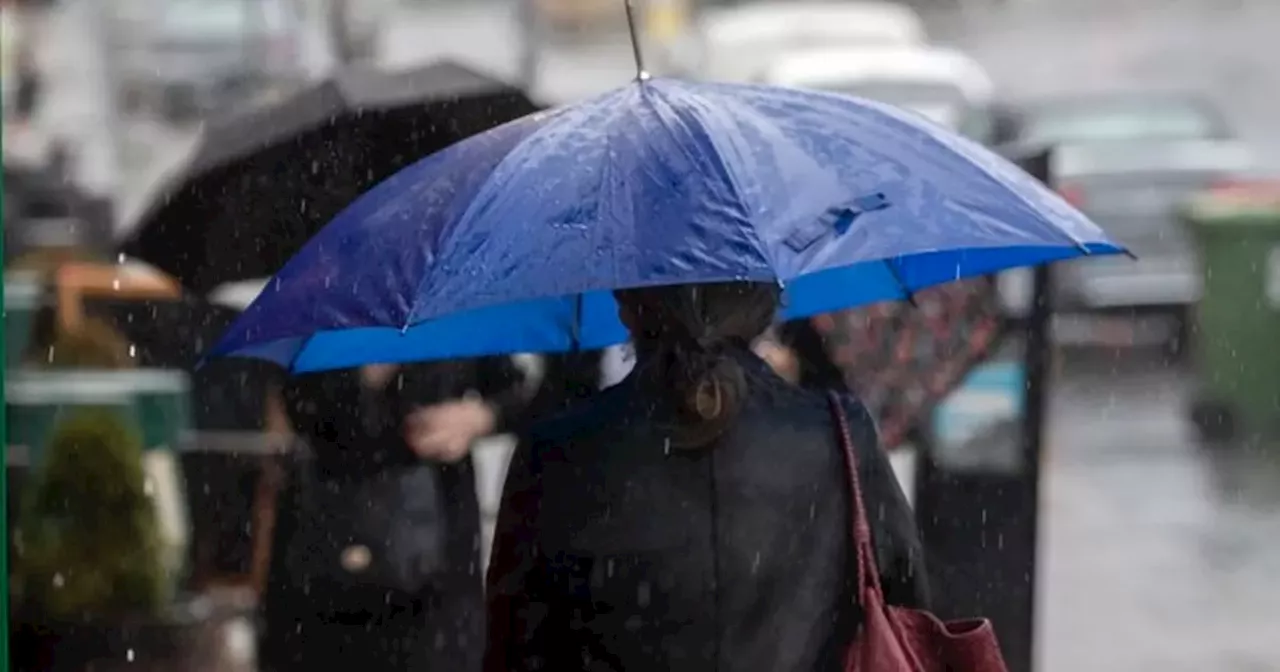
<point x="1131" y="121"/>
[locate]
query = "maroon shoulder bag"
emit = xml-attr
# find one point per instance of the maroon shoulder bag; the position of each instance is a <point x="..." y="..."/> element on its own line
<point x="898" y="639"/>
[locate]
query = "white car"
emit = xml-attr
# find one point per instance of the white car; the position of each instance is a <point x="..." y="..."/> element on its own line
<point x="733" y="44"/>
<point x="941" y="84"/>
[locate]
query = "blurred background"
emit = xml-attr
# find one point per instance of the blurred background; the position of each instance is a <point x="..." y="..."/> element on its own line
<point x="1159" y="497"/>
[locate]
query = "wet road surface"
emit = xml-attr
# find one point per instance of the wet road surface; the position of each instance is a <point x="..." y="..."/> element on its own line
<point x="1158" y="554"/>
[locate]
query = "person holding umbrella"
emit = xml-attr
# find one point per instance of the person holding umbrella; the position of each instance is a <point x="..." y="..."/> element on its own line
<point x="679" y="551"/>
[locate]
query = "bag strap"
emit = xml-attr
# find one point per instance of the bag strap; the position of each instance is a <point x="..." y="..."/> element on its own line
<point x="868" y="573"/>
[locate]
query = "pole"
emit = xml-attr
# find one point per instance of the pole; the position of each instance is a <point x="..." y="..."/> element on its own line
<point x="977" y="495"/>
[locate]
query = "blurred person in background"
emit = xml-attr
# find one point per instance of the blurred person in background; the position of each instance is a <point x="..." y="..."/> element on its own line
<point x="376" y="550"/>
<point x="659" y="527"/>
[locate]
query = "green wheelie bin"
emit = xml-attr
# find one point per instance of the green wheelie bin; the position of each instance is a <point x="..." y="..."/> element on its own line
<point x="1237" y="343"/>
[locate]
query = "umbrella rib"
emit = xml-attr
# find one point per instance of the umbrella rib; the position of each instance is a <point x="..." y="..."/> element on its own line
<point x="302" y="347"/>
<point x="907" y="294"/>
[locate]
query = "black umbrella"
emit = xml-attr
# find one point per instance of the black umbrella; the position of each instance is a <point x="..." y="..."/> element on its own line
<point x="263" y="182"/>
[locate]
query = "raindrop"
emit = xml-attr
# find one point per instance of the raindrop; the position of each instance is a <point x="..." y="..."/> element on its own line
<point x="643" y="594"/>
<point x="133" y="351"/>
<point x="608" y="568"/>
<point x="120" y="258"/>
<point x="128" y="655"/>
<point x="666" y="446"/>
<point x="813" y="510"/>
<point x="58" y="580"/>
<point x="115" y="284"/>
<point x="755" y="563"/>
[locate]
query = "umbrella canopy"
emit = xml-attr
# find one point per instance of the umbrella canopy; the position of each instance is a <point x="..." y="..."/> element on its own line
<point x="262" y="182"/>
<point x="514" y="240"/>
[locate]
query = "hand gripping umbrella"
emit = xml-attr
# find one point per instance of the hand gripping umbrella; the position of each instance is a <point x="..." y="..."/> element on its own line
<point x="263" y="182"/>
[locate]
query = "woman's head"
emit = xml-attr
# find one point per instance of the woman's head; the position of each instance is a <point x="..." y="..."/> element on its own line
<point x="686" y="334"/>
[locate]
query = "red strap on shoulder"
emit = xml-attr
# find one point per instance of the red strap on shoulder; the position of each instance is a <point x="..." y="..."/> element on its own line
<point x="868" y="573"/>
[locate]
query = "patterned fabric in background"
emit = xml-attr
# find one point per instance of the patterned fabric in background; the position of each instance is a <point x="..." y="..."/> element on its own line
<point x="903" y="359"/>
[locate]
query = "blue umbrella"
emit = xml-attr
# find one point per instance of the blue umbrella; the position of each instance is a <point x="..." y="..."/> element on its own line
<point x="511" y="241"/>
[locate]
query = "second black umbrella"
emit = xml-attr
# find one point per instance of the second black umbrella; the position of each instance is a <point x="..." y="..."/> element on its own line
<point x="261" y="183"/>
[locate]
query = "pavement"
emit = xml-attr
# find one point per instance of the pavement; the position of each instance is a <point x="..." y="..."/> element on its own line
<point x="1159" y="554"/>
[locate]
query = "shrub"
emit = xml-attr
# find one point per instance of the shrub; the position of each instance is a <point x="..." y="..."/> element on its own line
<point x="90" y="542"/>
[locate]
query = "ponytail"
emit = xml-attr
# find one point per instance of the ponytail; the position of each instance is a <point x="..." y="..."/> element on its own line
<point x="691" y="336"/>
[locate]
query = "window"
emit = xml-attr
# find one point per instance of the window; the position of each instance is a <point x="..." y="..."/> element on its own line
<point x="1152" y="120"/>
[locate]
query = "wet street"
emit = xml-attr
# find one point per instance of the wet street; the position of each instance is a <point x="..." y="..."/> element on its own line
<point x="1157" y="554"/>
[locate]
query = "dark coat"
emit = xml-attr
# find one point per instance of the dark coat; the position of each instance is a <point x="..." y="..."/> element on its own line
<point x="615" y="552"/>
<point x="377" y="629"/>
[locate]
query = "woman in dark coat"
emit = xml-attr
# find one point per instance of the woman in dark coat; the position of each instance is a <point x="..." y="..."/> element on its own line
<point x="359" y="425"/>
<point x="694" y="517"/>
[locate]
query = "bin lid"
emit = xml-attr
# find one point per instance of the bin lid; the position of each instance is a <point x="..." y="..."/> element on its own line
<point x="92" y="387"/>
<point x="1237" y="202"/>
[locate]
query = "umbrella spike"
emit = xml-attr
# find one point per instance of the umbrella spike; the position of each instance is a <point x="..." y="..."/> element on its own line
<point x="633" y="31"/>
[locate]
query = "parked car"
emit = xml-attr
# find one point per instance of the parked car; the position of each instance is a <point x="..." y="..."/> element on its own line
<point x="186" y="57"/>
<point x="1129" y="161"/>
<point x="941" y="84"/>
<point x="735" y="43"/>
